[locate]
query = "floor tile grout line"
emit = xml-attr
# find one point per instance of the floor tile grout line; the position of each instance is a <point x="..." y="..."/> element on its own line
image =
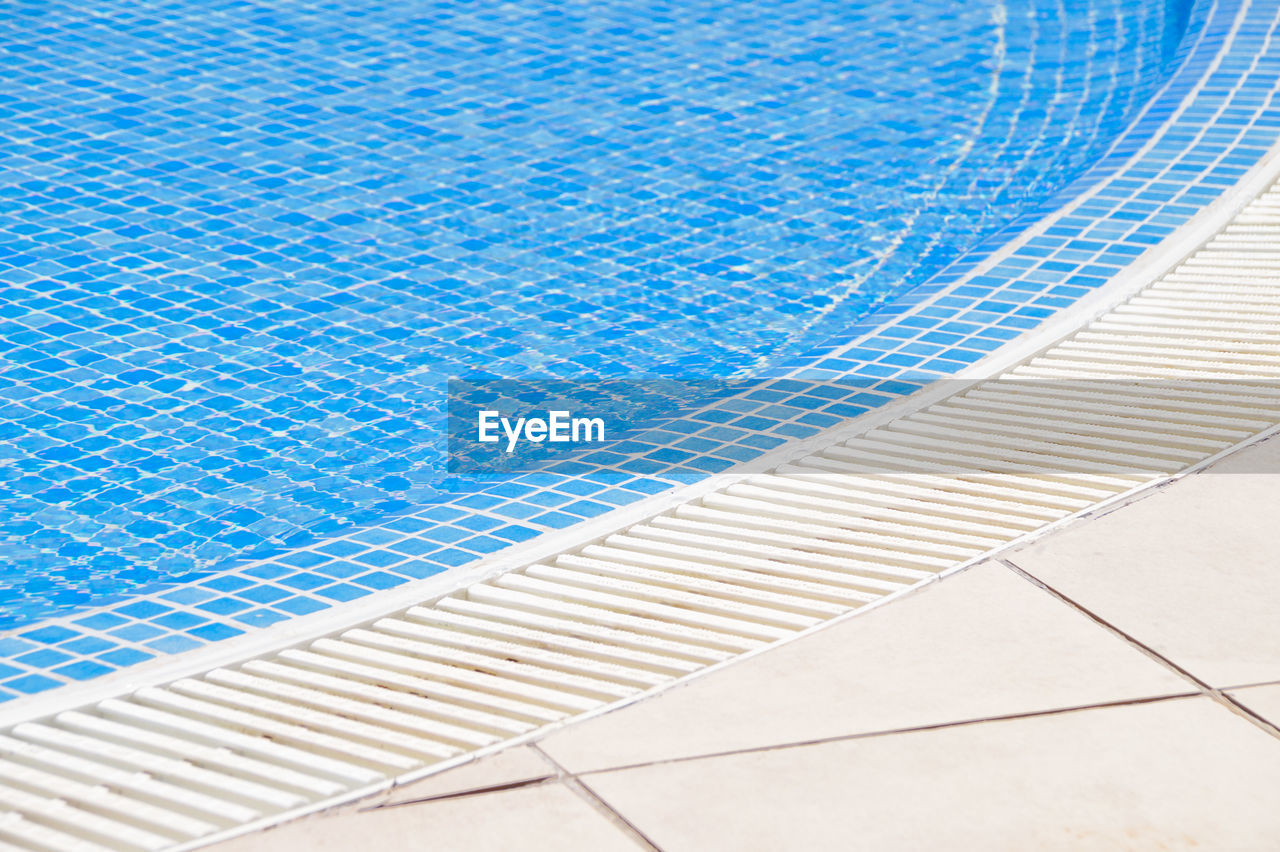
<point x="462" y="794"/>
<point x="885" y="732"/>
<point x="1231" y="703"/>
<point x="1250" y="685"/>
<point x="596" y="802"/>
<point x="1218" y="695"/>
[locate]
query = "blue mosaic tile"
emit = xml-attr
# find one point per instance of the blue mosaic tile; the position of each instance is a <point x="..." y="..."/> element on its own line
<point x="31" y="684"/>
<point x="230" y="306"/>
<point x="218" y="361"/>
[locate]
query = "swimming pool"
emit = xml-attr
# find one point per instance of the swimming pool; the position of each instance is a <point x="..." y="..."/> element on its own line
<point x="406" y="636"/>
<point x="248" y="244"/>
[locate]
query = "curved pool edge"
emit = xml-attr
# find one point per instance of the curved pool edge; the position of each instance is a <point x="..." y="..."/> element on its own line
<point x="51" y="634"/>
<point x="281" y="726"/>
<point x="1161" y="257"/>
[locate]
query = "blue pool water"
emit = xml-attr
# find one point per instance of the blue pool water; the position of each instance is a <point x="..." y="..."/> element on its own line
<point x="244" y="245"/>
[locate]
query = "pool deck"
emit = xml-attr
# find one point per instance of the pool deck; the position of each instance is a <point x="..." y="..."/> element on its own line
<point x="1112" y="685"/>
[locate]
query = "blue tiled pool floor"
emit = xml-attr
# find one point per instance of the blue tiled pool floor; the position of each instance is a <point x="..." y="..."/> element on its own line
<point x="306" y="443"/>
<point x="247" y="244"/>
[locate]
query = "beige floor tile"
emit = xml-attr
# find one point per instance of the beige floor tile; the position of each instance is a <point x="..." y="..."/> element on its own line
<point x="1263" y="700"/>
<point x="1183" y="773"/>
<point x="1189" y="571"/>
<point x="543" y="818"/>
<point x="509" y="766"/>
<point x="983" y="643"/>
